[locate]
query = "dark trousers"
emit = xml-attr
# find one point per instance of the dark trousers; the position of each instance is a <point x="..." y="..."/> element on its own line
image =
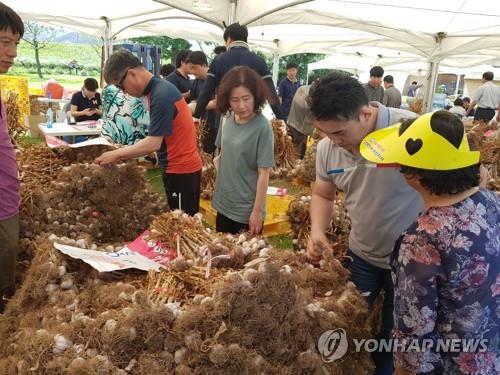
<point x="371" y="280"/>
<point x="484" y="114"/>
<point x="226" y="225"/>
<point x="9" y="247"/>
<point x="183" y="189"/>
<point x="299" y="141"/>
<point x="209" y="138"/>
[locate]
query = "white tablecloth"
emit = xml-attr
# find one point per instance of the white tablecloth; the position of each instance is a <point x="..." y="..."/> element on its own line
<point x="61" y="129"/>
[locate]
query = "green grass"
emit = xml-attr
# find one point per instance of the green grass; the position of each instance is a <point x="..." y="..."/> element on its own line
<point x="292" y="189"/>
<point x="154" y="179"/>
<point x="28" y="140"/>
<point x="51" y="58"/>
<point x="62" y="53"/>
<point x="70" y="82"/>
<point x="282" y="241"/>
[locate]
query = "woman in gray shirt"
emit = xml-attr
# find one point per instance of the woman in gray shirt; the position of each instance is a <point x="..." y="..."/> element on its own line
<point x="246" y="144"/>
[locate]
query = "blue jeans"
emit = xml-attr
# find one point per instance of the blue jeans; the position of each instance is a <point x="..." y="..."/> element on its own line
<point x="370" y="280"/>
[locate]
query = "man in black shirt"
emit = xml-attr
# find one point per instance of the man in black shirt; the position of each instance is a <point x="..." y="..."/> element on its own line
<point x="179" y="77"/>
<point x="86" y="104"/>
<point x="198" y="66"/>
<point x="237" y="54"/>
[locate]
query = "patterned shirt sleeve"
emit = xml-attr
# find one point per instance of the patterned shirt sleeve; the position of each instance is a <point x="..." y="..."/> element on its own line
<point x="415" y="284"/>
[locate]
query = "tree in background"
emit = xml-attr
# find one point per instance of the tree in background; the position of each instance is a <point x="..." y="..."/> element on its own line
<point x="301" y="59"/>
<point x="38" y="36"/>
<point x="169" y="46"/>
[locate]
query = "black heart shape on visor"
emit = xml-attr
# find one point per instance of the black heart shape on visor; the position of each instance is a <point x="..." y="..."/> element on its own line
<point x="413" y="146"/>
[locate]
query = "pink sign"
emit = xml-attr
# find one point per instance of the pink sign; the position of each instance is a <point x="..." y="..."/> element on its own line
<point x="153" y="250"/>
<point x="54" y="142"/>
<point x="278" y="191"/>
<point x="489" y="133"/>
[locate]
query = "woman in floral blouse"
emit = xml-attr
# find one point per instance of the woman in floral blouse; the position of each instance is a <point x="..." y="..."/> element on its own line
<point x="446" y="266"/>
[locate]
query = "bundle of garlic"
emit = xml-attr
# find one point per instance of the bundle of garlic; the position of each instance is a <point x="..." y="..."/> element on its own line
<point x="490" y="158"/>
<point x="417" y="106"/>
<point x="177" y="230"/>
<point x="267" y="318"/>
<point x="306" y="168"/>
<point x="38" y="167"/>
<point x="84" y="154"/>
<point x="100" y="202"/>
<point x="208" y="175"/>
<point x="15" y="123"/>
<point x="201" y="133"/>
<point x="285" y="156"/>
<point x="65" y="319"/>
<point x="187" y="275"/>
<point x="338" y="233"/>
<point x="489" y="146"/>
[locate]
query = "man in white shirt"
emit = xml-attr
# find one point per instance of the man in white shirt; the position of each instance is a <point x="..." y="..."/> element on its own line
<point x="487" y="99"/>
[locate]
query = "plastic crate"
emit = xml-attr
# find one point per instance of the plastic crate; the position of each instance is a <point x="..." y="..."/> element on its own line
<point x="20" y="86"/>
<point x="276" y="219"/>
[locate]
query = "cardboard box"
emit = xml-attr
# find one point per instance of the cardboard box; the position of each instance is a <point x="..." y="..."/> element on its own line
<point x="32" y="122"/>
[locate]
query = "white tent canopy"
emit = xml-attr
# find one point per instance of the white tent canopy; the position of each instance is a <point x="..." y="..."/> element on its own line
<point x="284" y="26"/>
<point x="467" y="32"/>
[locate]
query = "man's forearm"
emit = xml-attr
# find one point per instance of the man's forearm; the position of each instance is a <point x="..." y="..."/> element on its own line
<point x="206" y="94"/>
<point x="321" y="212"/>
<point x="141" y="148"/>
<point x="274" y="100"/>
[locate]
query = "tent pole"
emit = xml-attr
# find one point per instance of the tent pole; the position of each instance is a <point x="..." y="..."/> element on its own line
<point x="232" y="12"/>
<point x="430" y="85"/>
<point x="276" y="67"/>
<point x="107" y="42"/>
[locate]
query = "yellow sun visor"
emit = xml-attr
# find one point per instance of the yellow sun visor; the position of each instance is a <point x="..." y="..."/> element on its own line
<point x="419" y="146"/>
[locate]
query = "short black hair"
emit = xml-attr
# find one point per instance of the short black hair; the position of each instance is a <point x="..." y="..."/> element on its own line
<point x="9" y="19"/>
<point x="91" y="84"/>
<point x="444" y="182"/>
<point x="337" y="96"/>
<point x="291" y="65"/>
<point x="220" y="49"/>
<point x="197" y="58"/>
<point x="466" y="99"/>
<point x="377" y="71"/>
<point x="181" y="57"/>
<point x="459" y="102"/>
<point x="488" y="76"/>
<point x="166" y="69"/>
<point x="389" y="79"/>
<point x="236" y="32"/>
<point x="118" y="63"/>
